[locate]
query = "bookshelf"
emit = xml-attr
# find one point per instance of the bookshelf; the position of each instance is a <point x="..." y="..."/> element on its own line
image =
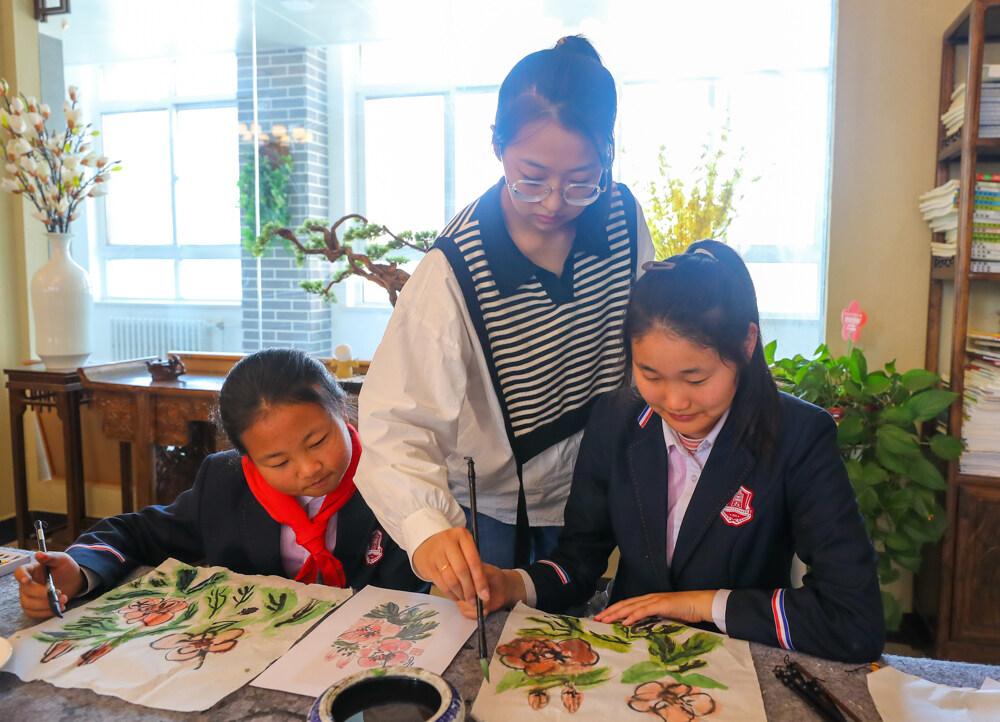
<point x="968" y="594"/>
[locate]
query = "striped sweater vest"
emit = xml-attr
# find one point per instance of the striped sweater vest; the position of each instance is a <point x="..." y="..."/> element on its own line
<point x="548" y="361"/>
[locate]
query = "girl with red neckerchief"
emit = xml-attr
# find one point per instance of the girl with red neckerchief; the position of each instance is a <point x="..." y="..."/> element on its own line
<point x="282" y="501"/>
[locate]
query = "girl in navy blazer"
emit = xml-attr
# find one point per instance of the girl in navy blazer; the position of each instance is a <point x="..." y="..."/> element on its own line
<point x="281" y="502"/>
<point x="708" y="480"/>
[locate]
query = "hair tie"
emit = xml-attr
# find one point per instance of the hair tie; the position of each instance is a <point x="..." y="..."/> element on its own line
<point x="672" y="262"/>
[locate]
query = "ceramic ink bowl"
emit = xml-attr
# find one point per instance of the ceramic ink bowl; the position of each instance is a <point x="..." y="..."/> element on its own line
<point x="391" y="694"/>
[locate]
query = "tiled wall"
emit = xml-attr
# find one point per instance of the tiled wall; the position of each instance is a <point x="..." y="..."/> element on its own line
<point x="291" y="91"/>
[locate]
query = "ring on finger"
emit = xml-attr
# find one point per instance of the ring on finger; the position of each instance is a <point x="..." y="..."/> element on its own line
<point x="442" y="568"/>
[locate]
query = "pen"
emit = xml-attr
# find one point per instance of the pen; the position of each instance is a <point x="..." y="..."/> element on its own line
<point x="484" y="663"/>
<point x="52" y="594"/>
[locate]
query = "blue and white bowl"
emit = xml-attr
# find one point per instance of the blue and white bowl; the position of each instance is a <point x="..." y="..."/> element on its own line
<point x="429" y="695"/>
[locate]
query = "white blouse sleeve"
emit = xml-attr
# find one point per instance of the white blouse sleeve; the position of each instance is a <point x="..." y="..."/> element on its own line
<point x="644" y="241"/>
<point x="409" y="407"/>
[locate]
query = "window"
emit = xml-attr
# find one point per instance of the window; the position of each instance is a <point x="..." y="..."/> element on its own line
<point x="396" y="102"/>
<point x="432" y="103"/>
<point x="172" y="222"/>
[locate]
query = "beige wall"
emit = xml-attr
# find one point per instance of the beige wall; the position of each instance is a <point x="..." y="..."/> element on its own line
<point x="19" y="65"/>
<point x="885" y="131"/>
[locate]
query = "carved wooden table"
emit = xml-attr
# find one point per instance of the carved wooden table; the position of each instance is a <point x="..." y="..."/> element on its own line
<point x="33" y="387"/>
<point x="142" y="414"/>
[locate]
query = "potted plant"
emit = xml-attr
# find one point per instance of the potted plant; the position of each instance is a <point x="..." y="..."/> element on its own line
<point x="55" y="172"/>
<point x="891" y="444"/>
<point x="681" y="213"/>
<point x="376" y="264"/>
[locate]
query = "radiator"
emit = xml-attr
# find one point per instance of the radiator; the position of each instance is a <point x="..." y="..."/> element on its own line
<point x="137" y="337"/>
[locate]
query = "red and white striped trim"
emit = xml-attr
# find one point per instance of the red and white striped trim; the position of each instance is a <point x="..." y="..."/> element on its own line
<point x="99" y="548"/>
<point x="781" y="619"/>
<point x="560" y="572"/>
<point x="645" y="416"/>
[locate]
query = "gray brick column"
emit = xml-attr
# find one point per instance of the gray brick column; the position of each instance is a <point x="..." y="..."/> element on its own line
<point x="291" y="91"/>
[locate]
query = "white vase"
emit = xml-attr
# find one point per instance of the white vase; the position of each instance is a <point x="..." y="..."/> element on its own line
<point x="62" y="304"/>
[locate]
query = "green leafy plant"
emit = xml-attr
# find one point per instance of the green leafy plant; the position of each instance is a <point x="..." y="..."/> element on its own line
<point x="379" y="263"/>
<point x="680" y="213"/>
<point x="890" y="444"/>
<point x="275" y="163"/>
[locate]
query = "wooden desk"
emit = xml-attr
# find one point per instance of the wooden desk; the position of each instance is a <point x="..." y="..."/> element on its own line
<point x="142" y="414"/>
<point x="36" y="388"/>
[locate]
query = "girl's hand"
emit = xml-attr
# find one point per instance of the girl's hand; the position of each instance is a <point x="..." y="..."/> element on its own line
<point x="450" y="560"/>
<point x="682" y="606"/>
<point x="66" y="575"/>
<point x="506" y="590"/>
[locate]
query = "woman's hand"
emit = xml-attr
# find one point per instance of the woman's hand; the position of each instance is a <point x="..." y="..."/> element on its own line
<point x="682" y="606"/>
<point x="506" y="590"/>
<point x="66" y="575"/>
<point x="450" y="560"/>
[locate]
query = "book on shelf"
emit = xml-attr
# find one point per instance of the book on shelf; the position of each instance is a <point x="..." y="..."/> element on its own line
<point x="985" y="251"/>
<point x="984" y="266"/>
<point x="981" y="405"/>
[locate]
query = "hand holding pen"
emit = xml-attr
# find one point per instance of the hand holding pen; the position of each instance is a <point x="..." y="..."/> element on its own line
<point x="35" y="595"/>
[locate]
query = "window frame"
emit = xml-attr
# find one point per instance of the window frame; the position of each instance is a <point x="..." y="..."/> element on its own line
<point x="174" y="252"/>
<point x="360" y="293"/>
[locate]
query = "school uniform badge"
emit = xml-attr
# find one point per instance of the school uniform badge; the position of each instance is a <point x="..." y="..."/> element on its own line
<point x="738" y="511"/>
<point x="375" y="551"/>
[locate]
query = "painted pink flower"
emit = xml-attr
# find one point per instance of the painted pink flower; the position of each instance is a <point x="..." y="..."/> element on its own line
<point x="571" y="698"/>
<point x="368" y="631"/>
<point x="539" y="656"/>
<point x="189" y="646"/>
<point x="152" y="611"/>
<point x="538" y="698"/>
<point x="672" y="702"/>
<point x="388" y="653"/>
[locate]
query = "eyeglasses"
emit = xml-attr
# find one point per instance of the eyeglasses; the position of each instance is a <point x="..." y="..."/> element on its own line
<point x="575" y="194"/>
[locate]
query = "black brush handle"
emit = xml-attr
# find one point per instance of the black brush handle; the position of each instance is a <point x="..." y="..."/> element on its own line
<point x="481" y="623"/>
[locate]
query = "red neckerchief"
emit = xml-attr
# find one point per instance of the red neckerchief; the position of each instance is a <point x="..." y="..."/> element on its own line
<point x="309" y="533"/>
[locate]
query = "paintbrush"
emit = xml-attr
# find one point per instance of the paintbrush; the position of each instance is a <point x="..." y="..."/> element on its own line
<point x="42" y="547"/>
<point x="484" y="663"/>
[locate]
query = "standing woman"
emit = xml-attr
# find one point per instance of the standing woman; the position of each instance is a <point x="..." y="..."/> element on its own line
<point x="506" y="333"/>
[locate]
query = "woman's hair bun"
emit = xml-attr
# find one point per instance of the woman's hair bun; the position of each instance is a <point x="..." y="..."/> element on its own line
<point x="578" y="44"/>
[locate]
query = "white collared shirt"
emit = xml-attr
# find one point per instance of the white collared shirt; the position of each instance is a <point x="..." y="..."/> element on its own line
<point x="428" y="401"/>
<point x="679" y="458"/>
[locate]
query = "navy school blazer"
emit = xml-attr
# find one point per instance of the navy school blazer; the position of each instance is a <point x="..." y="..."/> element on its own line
<point x="218" y="521"/>
<point x="744" y="522"/>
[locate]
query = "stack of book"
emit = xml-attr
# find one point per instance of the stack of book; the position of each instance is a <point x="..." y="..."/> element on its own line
<point x="981" y="429"/>
<point x="954" y="118"/>
<point x="939" y="207"/>
<point x="989" y="106"/>
<point x="986" y="225"/>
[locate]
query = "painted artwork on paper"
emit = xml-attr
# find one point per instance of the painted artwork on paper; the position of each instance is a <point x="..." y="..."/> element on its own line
<point x="386" y="636"/>
<point x="178" y="638"/>
<point x="376" y="628"/>
<point x="554" y="664"/>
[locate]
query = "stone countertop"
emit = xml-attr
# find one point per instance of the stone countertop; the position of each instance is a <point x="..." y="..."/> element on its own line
<point x="42" y="702"/>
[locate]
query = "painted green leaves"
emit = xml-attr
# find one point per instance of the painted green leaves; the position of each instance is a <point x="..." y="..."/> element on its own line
<point x="191" y="612"/>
